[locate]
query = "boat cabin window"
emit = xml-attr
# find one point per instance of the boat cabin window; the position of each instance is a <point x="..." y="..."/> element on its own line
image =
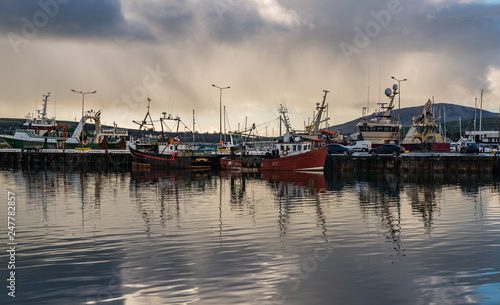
<point x="294" y="147"/>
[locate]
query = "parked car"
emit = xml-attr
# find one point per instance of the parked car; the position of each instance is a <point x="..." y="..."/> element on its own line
<point x="454" y="146"/>
<point x="393" y="149"/>
<point x="361" y="145"/>
<point x="339" y="149"/>
<point x="488" y="147"/>
<point x="469" y="148"/>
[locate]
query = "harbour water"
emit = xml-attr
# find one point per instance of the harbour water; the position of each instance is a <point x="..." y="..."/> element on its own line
<point x="229" y="238"/>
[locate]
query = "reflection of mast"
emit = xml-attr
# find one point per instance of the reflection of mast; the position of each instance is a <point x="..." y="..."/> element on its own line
<point x="478" y="205"/>
<point x="379" y="201"/>
<point x="220" y="212"/>
<point x="237" y="195"/>
<point x="44" y="198"/>
<point x="82" y="196"/>
<point x="321" y="218"/>
<point x="425" y="205"/>
<point x="283" y="216"/>
<point x="168" y="194"/>
<point x="393" y="224"/>
<point x="98" y="187"/>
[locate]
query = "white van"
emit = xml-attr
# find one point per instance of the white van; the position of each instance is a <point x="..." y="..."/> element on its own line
<point x="361" y="145"/>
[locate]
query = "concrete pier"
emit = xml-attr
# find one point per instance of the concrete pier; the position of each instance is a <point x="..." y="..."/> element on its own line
<point x="96" y="160"/>
<point x="436" y="162"/>
<point x="69" y="159"/>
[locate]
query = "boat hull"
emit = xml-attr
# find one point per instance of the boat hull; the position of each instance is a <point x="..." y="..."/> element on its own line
<point x="156" y="160"/>
<point x="308" y="161"/>
<point x="32" y="142"/>
<point x="24" y="140"/>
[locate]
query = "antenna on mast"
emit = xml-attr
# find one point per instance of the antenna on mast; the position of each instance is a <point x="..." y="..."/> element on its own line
<point x="368" y="100"/>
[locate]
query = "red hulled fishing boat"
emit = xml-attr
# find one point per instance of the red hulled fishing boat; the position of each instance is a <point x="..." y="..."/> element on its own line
<point x="283" y="157"/>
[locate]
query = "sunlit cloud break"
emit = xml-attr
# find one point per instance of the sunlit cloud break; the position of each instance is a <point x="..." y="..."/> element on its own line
<point x="266" y="51"/>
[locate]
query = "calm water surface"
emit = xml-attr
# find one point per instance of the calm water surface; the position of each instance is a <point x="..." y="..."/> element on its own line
<point x="227" y="238"/>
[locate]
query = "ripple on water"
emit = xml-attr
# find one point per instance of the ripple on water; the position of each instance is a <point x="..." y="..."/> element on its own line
<point x="172" y="238"/>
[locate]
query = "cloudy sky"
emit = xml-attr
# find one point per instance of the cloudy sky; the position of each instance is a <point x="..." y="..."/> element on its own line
<point x="267" y="51"/>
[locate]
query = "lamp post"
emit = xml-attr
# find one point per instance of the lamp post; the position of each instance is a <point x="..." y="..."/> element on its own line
<point x="399" y="105"/>
<point x="83" y="97"/>
<point x="220" y="109"/>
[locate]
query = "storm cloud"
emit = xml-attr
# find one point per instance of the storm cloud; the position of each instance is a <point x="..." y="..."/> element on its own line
<point x="268" y="52"/>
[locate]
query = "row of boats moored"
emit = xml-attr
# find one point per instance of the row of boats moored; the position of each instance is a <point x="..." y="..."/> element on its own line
<point x="302" y="151"/>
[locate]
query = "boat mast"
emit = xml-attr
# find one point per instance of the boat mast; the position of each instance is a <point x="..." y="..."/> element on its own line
<point x="460" y="125"/>
<point x="285" y="118"/>
<point x="42" y="114"/>
<point x="327" y="121"/>
<point x="144" y="123"/>
<point x="368" y="97"/>
<point x="391" y="95"/>
<point x="313" y="128"/>
<point x="444" y="122"/>
<point x="475" y="111"/>
<point x="481" y="112"/>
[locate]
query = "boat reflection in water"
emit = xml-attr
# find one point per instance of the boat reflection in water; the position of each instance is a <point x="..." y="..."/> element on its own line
<point x="314" y="181"/>
<point x="179" y="237"/>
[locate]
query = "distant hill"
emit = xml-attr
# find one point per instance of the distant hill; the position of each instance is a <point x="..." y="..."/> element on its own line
<point x="453" y="114"/>
<point x="8" y="126"/>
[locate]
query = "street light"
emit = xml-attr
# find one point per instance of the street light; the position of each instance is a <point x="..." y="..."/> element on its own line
<point x="399" y="105"/>
<point x="220" y="109"/>
<point x="83" y="97"/>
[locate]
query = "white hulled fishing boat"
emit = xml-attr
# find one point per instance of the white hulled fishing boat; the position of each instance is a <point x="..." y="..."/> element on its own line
<point x="380" y="127"/>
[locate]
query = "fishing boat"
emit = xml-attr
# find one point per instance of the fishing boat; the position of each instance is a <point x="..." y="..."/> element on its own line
<point x="100" y="138"/>
<point x="423" y="129"/>
<point x="289" y="154"/>
<point x="380" y="127"/>
<point x="171" y="155"/>
<point x="38" y="131"/>
<point x="43" y="132"/>
<point x="160" y="151"/>
<point x="313" y="132"/>
<point x="284" y="157"/>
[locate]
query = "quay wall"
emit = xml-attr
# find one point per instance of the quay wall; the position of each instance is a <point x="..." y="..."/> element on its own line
<point x="97" y="160"/>
<point x="59" y="159"/>
<point x="435" y="162"/>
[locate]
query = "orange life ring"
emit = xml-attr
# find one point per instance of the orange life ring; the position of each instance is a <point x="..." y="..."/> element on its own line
<point x="285" y="152"/>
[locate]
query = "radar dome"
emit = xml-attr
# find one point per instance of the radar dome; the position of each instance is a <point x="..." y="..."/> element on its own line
<point x="388" y="91"/>
<point x="395" y="87"/>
